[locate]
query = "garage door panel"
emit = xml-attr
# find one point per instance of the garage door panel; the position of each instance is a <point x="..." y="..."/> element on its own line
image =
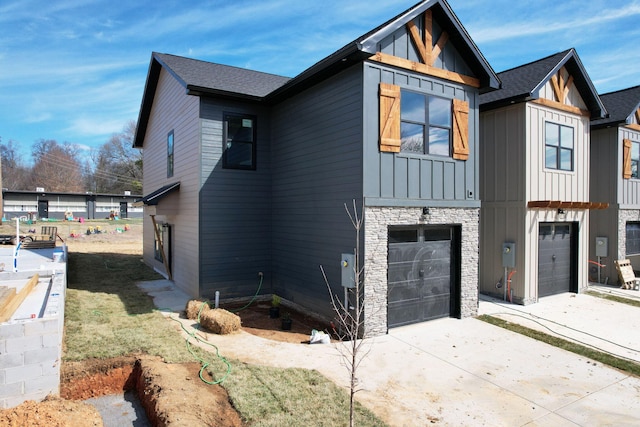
<point x="419" y="281"/>
<point x="554" y="259"/>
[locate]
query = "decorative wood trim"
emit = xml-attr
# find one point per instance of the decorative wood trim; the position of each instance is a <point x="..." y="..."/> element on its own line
<point x="428" y="32"/>
<point x="558" y="106"/>
<point x="626" y="158"/>
<point x="460" y="129"/>
<point x="633" y="126"/>
<point x="555" y="85"/>
<point x="420" y="46"/>
<point x="425" y="69"/>
<point x="555" y="204"/>
<point x="390" y="140"/>
<point x="444" y="37"/>
<point x="638" y="115"/>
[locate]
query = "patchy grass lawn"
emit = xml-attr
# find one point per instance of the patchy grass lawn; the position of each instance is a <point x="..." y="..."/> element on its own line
<point x="107" y="316"/>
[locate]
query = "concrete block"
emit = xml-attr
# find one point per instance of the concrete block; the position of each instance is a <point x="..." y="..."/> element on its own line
<point x="12" y="330"/>
<point x="52" y="368"/>
<point x="3" y="346"/>
<point x="47" y="354"/>
<point x="11" y="360"/>
<point x="2" y="377"/>
<point x="44" y="384"/>
<point x="52" y="340"/>
<point x="9" y="390"/>
<point x="23" y="373"/>
<point x="24" y="344"/>
<point x="41" y="327"/>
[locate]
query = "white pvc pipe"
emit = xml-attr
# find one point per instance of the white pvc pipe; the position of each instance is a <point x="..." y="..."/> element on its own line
<point x="217" y="300"/>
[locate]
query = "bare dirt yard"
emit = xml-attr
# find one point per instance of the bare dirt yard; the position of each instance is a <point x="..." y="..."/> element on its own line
<point x="172" y="394"/>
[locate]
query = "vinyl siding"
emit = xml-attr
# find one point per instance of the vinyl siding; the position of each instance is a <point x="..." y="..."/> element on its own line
<point x="174" y="110"/>
<point x="235" y="206"/>
<point x="317" y="168"/>
<point x="405" y="179"/>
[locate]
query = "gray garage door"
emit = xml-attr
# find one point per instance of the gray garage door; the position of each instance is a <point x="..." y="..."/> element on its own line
<point x="421" y="275"/>
<point x="554" y="259"/>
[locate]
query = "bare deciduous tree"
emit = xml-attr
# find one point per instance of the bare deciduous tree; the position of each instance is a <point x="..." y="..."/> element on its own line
<point x="118" y="164"/>
<point x="350" y="317"/>
<point x="56" y="167"/>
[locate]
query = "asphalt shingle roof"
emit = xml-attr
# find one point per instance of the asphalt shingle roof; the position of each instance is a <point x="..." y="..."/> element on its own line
<point x="620" y="105"/>
<point x="212" y="77"/>
<point x="523" y="83"/>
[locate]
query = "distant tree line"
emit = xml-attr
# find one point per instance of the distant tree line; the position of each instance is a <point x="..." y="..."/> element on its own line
<point x="59" y="167"/>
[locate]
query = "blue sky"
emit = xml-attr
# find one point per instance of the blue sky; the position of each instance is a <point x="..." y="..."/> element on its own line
<point x="74" y="70"/>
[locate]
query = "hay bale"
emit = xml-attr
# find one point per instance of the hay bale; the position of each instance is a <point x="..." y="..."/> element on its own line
<point x="194" y="307"/>
<point x="220" y="321"/>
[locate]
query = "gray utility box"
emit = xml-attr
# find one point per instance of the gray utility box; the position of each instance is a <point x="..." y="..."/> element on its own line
<point x="602" y="246"/>
<point x="509" y="255"/>
<point x="347" y="266"/>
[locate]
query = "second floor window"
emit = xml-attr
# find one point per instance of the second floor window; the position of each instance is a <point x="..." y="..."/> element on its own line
<point x="558" y="147"/>
<point x="425" y="126"/>
<point x="170" y="154"/>
<point x="635" y="159"/>
<point x="239" y="151"/>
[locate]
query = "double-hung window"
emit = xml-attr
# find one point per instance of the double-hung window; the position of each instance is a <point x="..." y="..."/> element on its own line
<point x="559" y="146"/>
<point x="425" y="126"/>
<point x="239" y="150"/>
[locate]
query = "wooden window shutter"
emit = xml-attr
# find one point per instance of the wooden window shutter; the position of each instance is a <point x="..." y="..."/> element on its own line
<point x="626" y="158"/>
<point x="389" y="118"/>
<point x="460" y="129"/>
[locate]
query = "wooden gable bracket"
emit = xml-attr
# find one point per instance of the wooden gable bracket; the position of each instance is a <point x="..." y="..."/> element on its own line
<point x="635" y="126"/>
<point x="558" y="204"/>
<point x="561" y="90"/>
<point x="428" y="54"/>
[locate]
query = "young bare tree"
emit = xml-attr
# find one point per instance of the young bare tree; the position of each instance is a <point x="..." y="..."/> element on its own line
<point x="15" y="175"/>
<point x="350" y="316"/>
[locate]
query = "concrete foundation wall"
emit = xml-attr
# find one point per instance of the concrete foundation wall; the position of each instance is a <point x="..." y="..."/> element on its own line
<point x="31" y="349"/>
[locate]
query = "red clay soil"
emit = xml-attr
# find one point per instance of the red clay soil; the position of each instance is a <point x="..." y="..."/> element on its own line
<point x="172" y="394"/>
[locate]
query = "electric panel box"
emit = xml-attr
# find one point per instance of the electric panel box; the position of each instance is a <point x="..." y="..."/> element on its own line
<point x="509" y="254"/>
<point x="602" y="244"/>
<point x="347" y="266"/>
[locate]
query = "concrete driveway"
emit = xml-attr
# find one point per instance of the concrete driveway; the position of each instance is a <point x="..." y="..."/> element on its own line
<point x="451" y="372"/>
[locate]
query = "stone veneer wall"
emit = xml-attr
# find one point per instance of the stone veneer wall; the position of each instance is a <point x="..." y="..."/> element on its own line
<point x="624" y="216"/>
<point x="376" y="225"/>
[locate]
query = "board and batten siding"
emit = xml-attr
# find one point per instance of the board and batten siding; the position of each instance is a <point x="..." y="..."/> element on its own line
<point x="317" y="169"/>
<point x="174" y="110"/>
<point x="502" y="191"/>
<point x="406" y="179"/>
<point x="235" y="208"/>
<point x="629" y="189"/>
<point x="551" y="184"/>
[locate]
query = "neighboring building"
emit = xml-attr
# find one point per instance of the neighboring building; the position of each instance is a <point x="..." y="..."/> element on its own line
<point x="535" y="179"/>
<point x="615" y="178"/>
<point x="247" y="172"/>
<point x="55" y="205"/>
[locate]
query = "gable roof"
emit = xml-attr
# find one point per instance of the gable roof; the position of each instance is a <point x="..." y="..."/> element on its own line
<point x="620" y="105"/>
<point x="366" y="45"/>
<point x="523" y="83"/>
<point x="201" y="77"/>
<point x="206" y="78"/>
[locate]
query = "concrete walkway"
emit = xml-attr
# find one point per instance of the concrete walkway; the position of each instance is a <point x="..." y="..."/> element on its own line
<point x="451" y="372"/>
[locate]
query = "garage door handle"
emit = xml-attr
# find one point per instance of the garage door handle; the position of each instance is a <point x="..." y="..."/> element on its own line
<point x="421" y="273"/>
<point x="553" y="257"/>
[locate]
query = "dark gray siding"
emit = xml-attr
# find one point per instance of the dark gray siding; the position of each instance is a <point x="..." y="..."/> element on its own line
<point x="405" y="179"/>
<point x="235" y="208"/>
<point x="317" y="168"/>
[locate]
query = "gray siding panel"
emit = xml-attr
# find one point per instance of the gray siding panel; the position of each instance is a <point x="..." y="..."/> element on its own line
<point x="235" y="208"/>
<point x="317" y="168"/>
<point x="397" y="177"/>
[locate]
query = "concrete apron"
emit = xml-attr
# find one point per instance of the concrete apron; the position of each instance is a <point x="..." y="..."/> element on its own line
<point x="460" y="372"/>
